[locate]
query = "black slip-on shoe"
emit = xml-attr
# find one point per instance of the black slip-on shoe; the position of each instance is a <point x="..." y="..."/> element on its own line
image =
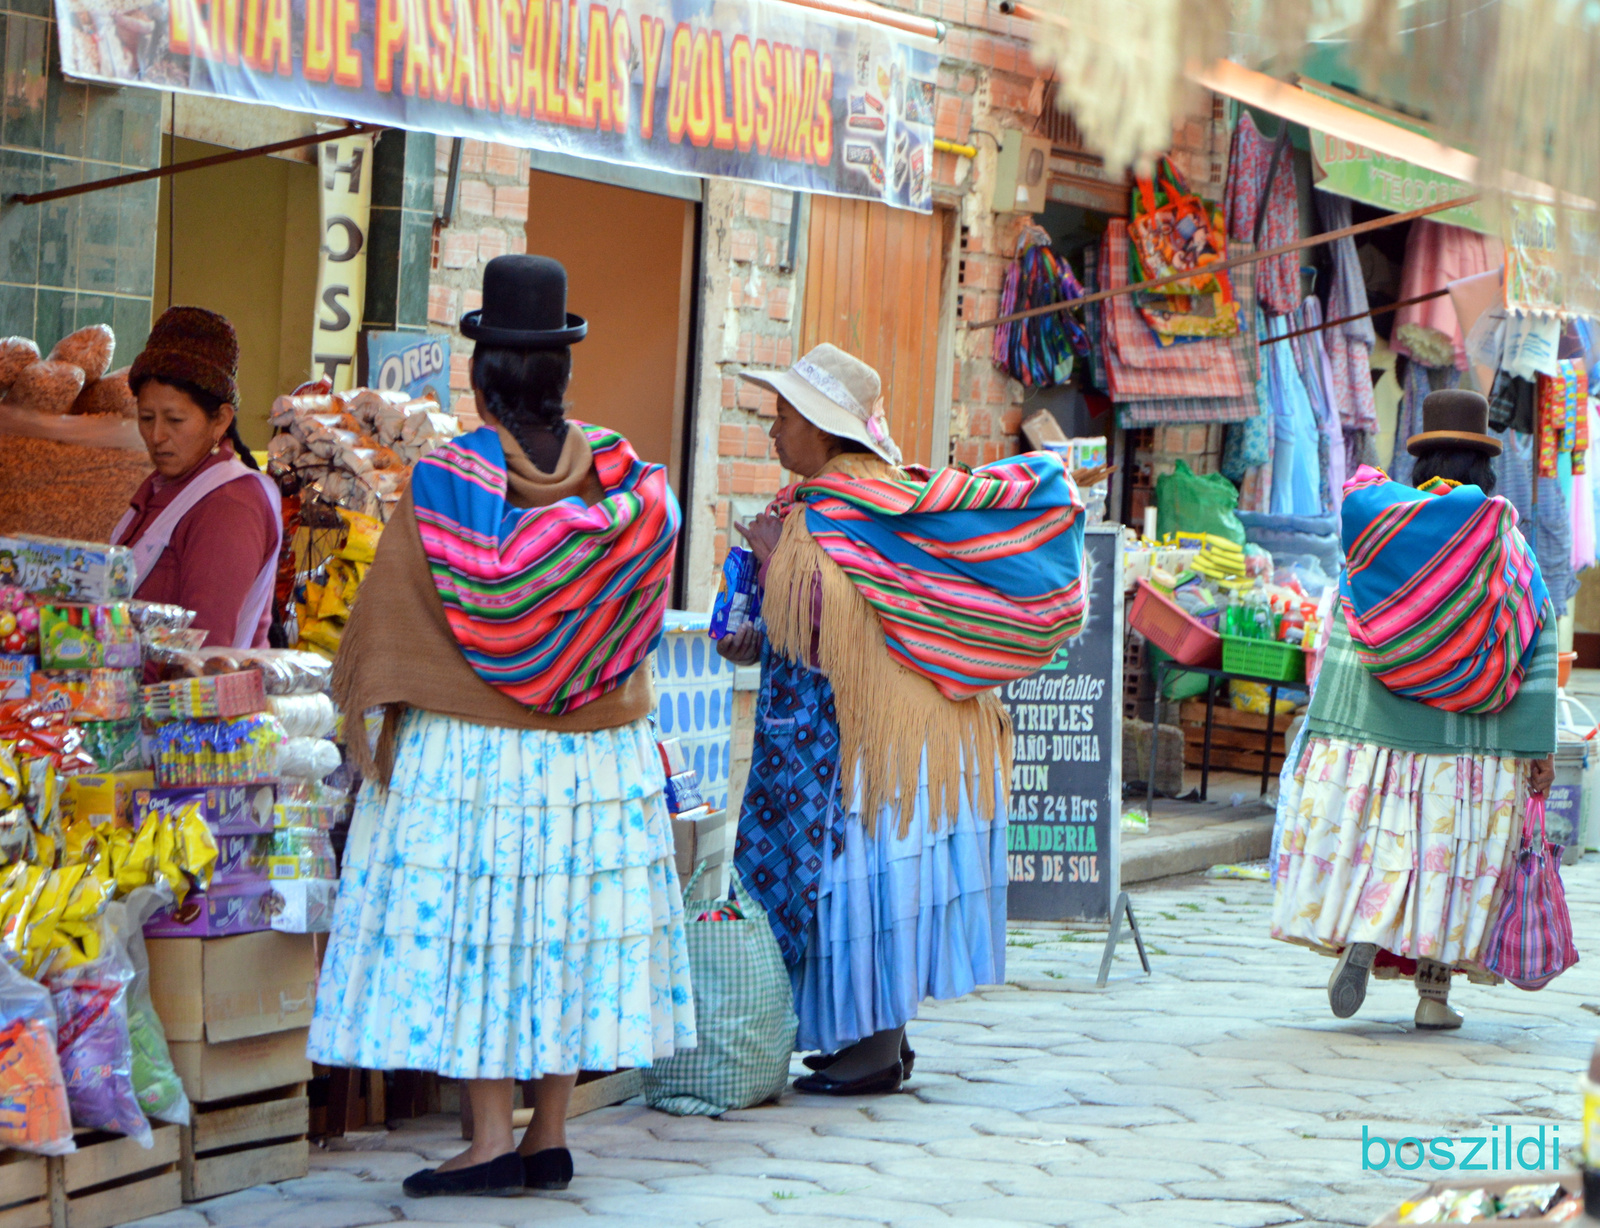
<point x="875" y="1084"/>
<point x="550" y="1169"/>
<point x="501" y="1177"/>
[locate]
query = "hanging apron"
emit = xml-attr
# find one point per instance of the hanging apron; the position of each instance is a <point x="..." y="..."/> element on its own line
<point x="156" y="538"/>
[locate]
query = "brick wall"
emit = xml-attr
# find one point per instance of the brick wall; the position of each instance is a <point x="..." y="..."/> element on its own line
<point x="491" y="219"/>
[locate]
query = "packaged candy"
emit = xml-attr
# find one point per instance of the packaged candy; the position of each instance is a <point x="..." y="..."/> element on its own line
<point x="226" y="810"/>
<point x="242" y="858"/>
<point x="90" y="694"/>
<point x="67" y="570"/>
<point x="96" y="1052"/>
<point x="34" y="1114"/>
<point x="115" y="746"/>
<point x="223" y="909"/>
<point x="105" y="799"/>
<point x="738" y="600"/>
<point x="16" y="674"/>
<point x="301" y="852"/>
<point x="88" y="637"/>
<point x="206" y="697"/>
<point x="237" y="751"/>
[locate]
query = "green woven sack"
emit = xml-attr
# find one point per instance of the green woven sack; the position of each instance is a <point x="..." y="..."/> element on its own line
<point x="744" y="1015"/>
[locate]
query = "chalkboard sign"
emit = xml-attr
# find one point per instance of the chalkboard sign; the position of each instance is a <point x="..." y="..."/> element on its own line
<point x="1064" y="838"/>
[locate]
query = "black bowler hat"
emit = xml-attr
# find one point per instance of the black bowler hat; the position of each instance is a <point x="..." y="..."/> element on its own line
<point x="524" y="306"/>
<point x="1454" y="418"/>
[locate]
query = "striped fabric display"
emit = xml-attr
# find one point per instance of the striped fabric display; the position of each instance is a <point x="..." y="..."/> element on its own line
<point x="976" y="577"/>
<point x="1442" y="595"/>
<point x="554" y="605"/>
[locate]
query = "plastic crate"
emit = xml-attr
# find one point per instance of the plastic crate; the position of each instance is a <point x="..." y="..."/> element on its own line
<point x="1185" y="639"/>
<point x="1263" y="659"/>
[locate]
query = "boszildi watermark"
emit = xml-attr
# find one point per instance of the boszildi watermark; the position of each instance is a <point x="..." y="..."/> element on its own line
<point x="1498" y="1149"/>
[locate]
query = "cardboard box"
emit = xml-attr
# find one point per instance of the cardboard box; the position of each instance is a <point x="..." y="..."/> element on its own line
<point x="703" y="840"/>
<point x="223" y="909"/>
<point x="223" y="989"/>
<point x="229" y="810"/>
<point x="304" y="905"/>
<point x="67" y="570"/>
<point x="242" y="859"/>
<point x="241" y="1067"/>
<point x="106" y="798"/>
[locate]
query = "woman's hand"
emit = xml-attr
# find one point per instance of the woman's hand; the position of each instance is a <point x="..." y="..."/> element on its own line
<point x="1541" y="774"/>
<point x="762" y="533"/>
<point x="743" y="647"/>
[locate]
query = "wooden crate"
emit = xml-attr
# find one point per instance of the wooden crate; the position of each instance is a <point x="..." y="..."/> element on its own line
<point x="24" y="1190"/>
<point x="252" y="1140"/>
<point x="110" y="1180"/>
<point x="1236" y="737"/>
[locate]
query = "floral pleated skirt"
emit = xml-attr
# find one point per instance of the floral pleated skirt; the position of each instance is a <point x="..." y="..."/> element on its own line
<point x="1404" y="850"/>
<point x="508" y="908"/>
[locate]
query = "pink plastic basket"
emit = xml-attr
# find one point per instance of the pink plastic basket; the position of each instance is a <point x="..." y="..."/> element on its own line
<point x="1186" y="640"/>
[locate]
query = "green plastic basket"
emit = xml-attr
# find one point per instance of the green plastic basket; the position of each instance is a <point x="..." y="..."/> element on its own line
<point x="1263" y="659"/>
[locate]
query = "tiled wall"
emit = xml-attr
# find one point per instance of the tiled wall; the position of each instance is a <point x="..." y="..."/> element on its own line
<point x="400" y="237"/>
<point x="87" y="259"/>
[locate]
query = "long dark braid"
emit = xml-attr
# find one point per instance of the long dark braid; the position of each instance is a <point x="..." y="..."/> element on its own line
<point x="524" y="389"/>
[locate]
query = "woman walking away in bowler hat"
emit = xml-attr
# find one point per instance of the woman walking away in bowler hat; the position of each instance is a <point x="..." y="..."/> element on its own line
<point x="1432" y="720"/>
<point x="509" y="908"/>
<point x="874" y="822"/>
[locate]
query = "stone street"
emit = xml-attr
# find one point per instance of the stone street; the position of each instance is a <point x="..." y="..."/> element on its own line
<point x="1220" y="1091"/>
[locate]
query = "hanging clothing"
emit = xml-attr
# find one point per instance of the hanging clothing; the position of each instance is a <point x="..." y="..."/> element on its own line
<point x="1436" y="255"/>
<point x="1253" y="440"/>
<point x="1552" y="544"/>
<point x="1419" y="382"/>
<point x="209" y="542"/>
<point x="1249" y="159"/>
<point x="1296" y="476"/>
<point x="1349" y="345"/>
<point x="1311" y="360"/>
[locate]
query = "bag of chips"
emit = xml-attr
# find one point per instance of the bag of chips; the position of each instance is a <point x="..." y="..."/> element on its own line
<point x="96" y="1051"/>
<point x="155" y="1082"/>
<point x="34" y="1115"/>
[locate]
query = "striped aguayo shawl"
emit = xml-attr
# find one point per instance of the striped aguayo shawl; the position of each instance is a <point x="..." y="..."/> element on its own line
<point x="1442" y="595"/>
<point x="976" y="577"/>
<point x="557" y="605"/>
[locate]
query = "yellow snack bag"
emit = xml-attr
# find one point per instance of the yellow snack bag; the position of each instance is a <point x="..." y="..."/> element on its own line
<point x="196" y="846"/>
<point x="361" y="536"/>
<point x="10" y="778"/>
<point x="332" y="604"/>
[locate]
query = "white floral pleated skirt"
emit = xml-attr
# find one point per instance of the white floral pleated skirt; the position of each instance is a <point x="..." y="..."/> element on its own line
<point x="508" y="908"/>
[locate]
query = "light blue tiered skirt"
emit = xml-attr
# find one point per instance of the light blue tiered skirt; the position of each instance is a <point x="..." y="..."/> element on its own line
<point x="508" y="909"/>
<point x="900" y="919"/>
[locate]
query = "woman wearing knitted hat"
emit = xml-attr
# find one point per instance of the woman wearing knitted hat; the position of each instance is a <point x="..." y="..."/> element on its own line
<point x="205" y="528"/>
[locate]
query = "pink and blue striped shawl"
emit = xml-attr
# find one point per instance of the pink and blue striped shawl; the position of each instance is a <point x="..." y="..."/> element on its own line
<point x="976" y="577"/>
<point x="1441" y="592"/>
<point x="554" y="605"/>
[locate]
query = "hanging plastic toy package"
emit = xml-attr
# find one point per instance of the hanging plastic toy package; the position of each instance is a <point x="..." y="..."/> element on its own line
<point x="96" y="1051"/>
<point x="34" y="1115"/>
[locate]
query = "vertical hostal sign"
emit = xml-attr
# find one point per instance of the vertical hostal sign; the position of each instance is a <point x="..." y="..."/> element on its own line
<point x="345" y="168"/>
<point x="1066" y="784"/>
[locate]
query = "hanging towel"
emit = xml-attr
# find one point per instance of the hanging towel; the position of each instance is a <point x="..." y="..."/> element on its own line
<point x="1436" y="255"/>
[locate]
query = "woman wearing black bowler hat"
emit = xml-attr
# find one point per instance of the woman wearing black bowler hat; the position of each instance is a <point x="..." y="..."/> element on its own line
<point x="509" y="909"/>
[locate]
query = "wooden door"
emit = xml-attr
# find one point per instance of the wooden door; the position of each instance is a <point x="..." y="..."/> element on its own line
<point x="874" y="282"/>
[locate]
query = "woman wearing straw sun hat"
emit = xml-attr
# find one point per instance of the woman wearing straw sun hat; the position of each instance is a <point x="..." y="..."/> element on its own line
<point x="873" y="823"/>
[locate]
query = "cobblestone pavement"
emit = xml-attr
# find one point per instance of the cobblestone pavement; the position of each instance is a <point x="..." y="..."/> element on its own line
<point x="1218" y="1091"/>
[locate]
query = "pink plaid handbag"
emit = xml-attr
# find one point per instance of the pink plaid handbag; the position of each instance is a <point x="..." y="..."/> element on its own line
<point x="1530" y="943"/>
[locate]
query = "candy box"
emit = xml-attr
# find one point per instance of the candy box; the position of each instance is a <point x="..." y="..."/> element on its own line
<point x="224" y="908"/>
<point x="67" y="570"/>
<point x="241" y="858"/>
<point x="683" y="792"/>
<point x="304" y="905"/>
<point x="105" y="798"/>
<point x="89" y="694"/>
<point x="87" y="637"/>
<point x="228" y="810"/>
<point x="16" y="673"/>
<point x="116" y="746"/>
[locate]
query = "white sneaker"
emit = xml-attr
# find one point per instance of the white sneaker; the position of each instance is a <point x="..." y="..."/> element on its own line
<point x="1436" y="1016"/>
<point x="1347" y="987"/>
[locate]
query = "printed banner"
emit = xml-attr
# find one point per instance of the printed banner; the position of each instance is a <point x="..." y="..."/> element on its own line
<point x="1551" y="260"/>
<point x="1376" y="179"/>
<point x="345" y="168"/>
<point x="761" y="90"/>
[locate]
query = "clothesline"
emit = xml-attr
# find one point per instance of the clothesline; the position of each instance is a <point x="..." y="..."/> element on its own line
<point x="1394" y="219"/>
<point x="1360" y="315"/>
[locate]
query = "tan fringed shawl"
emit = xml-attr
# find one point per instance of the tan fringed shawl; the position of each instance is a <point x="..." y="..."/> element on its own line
<point x="888" y="715"/>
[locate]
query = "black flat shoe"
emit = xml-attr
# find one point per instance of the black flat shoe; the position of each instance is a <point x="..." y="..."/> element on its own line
<point x="550" y="1169"/>
<point x="879" y="1083"/>
<point x="821" y="1061"/>
<point x="501" y="1177"/>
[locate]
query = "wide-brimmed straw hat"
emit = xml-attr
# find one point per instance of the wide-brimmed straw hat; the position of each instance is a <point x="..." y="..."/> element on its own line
<point x="837" y="393"/>
<point x="1454" y="418"/>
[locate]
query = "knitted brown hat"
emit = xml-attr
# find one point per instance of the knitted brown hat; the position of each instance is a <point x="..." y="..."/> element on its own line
<point x="194" y="345"/>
